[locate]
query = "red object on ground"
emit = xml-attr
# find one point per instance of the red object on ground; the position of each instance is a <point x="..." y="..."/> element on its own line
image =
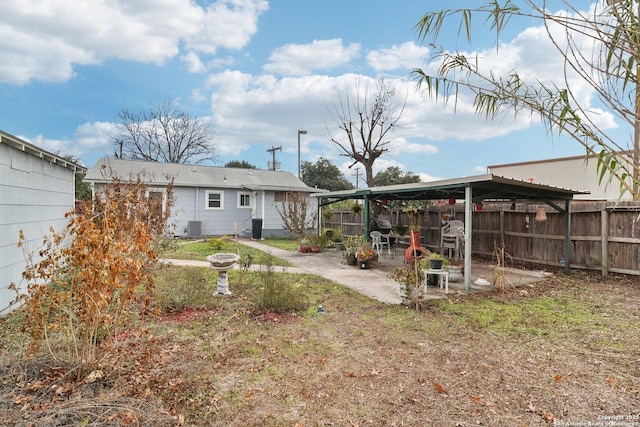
<point x="414" y="250"/>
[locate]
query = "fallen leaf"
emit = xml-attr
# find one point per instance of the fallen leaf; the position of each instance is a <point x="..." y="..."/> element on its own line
<point x="558" y="378"/>
<point x="94" y="376"/>
<point x="440" y="388"/>
<point x="352" y="375"/>
<point x="611" y="381"/>
<point x="478" y="400"/>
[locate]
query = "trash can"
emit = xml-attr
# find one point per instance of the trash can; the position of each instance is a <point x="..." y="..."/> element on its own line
<point x="256" y="228"/>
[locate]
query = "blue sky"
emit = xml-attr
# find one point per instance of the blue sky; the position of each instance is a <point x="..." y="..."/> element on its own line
<point x="259" y="70"/>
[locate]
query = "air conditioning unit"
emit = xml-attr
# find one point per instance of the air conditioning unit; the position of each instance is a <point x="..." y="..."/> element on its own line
<point x="194" y="229"/>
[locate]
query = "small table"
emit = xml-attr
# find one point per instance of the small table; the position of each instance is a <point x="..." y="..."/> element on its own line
<point x="442" y="274"/>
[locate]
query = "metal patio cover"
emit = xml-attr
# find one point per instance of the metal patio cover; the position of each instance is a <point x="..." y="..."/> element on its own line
<point x="472" y="189"/>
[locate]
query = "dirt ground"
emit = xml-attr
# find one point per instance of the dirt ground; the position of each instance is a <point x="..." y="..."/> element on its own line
<point x="564" y="351"/>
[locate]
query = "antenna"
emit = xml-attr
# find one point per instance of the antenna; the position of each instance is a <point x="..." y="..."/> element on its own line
<point x="274" y="165"/>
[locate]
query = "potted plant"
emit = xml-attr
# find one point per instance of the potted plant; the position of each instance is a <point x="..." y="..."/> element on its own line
<point x="351" y="247"/>
<point x="365" y="254"/>
<point x="435" y="261"/>
<point x="400" y="229"/>
<point x="409" y="280"/>
<point x="317" y="242"/>
<point x="305" y="246"/>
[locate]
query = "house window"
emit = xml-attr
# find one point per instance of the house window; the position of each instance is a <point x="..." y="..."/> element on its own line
<point x="285" y="196"/>
<point x="214" y="200"/>
<point x="244" y="200"/>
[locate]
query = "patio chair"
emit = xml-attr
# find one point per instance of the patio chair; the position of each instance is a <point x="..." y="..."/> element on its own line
<point x="379" y="241"/>
<point x="452" y="239"/>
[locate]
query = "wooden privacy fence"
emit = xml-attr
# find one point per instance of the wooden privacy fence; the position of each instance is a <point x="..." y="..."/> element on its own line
<point x="603" y="237"/>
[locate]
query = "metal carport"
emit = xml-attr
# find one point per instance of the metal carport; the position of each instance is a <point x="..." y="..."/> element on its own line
<point x="472" y="189"/>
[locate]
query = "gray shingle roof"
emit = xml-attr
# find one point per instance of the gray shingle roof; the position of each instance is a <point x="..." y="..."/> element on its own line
<point x="195" y="175"/>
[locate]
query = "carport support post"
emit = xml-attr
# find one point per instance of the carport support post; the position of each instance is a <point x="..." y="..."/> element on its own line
<point x="366" y="219"/>
<point x="468" y="211"/>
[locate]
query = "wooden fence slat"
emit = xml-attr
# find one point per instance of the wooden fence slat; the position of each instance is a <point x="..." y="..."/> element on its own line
<point x="604" y="237"/>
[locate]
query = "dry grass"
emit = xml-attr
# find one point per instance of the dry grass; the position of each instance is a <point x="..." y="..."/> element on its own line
<point x="563" y="350"/>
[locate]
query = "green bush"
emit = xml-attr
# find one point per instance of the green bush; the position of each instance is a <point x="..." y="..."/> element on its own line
<point x="277" y="296"/>
<point x="178" y="288"/>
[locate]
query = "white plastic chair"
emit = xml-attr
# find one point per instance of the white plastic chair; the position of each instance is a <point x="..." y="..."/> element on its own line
<point x="378" y="242"/>
<point x="452" y="238"/>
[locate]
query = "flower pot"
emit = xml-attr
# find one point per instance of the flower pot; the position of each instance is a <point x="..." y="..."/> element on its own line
<point x="435" y="264"/>
<point x="315" y="249"/>
<point x="363" y="264"/>
<point x="305" y="249"/>
<point x="402" y="289"/>
<point x="455" y="273"/>
<point x="351" y="259"/>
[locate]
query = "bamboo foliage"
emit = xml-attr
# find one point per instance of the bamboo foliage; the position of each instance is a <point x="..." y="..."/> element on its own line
<point x="611" y="71"/>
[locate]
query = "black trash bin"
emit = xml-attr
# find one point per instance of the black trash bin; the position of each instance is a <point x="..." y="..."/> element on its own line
<point x="256" y="228"/>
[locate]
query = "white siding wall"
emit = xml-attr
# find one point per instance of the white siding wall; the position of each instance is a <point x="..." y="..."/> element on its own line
<point x="34" y="196"/>
<point x="190" y="205"/>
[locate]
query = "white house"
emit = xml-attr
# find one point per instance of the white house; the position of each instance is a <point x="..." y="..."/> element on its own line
<point x="575" y="173"/>
<point x="212" y="201"/>
<point x="37" y="188"/>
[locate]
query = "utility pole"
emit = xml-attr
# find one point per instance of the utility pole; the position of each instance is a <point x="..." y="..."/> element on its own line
<point x="357" y="175"/>
<point x="300" y="132"/>
<point x="273" y="150"/>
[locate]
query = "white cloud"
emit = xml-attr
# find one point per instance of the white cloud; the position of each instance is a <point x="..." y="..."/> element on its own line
<point x="197" y="96"/>
<point x="227" y="24"/>
<point x="43" y="40"/>
<point x="303" y="59"/>
<point x="194" y="64"/>
<point x="403" y="57"/>
<point x="480" y="169"/>
<point x="258" y="111"/>
<point x="88" y="137"/>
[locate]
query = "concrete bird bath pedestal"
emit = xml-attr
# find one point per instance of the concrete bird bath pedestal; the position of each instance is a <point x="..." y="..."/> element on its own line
<point x="222" y="263"/>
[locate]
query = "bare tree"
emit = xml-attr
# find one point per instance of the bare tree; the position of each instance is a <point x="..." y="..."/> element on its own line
<point x="601" y="47"/>
<point x="166" y="134"/>
<point x="368" y="118"/>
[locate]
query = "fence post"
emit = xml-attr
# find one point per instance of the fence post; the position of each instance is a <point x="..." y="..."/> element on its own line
<point x="604" y="231"/>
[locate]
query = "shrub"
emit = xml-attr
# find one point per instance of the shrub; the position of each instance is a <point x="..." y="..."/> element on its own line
<point x="89" y="275"/>
<point x="277" y="296"/>
<point x="217" y="243"/>
<point x="184" y="287"/>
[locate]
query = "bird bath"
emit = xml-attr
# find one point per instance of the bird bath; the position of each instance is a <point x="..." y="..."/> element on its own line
<point x="222" y="263"/>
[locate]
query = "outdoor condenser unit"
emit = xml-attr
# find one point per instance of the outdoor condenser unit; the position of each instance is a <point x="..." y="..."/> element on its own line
<point x="194" y="229"/>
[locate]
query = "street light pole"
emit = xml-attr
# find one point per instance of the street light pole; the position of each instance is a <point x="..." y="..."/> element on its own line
<point x="300" y="132"/>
